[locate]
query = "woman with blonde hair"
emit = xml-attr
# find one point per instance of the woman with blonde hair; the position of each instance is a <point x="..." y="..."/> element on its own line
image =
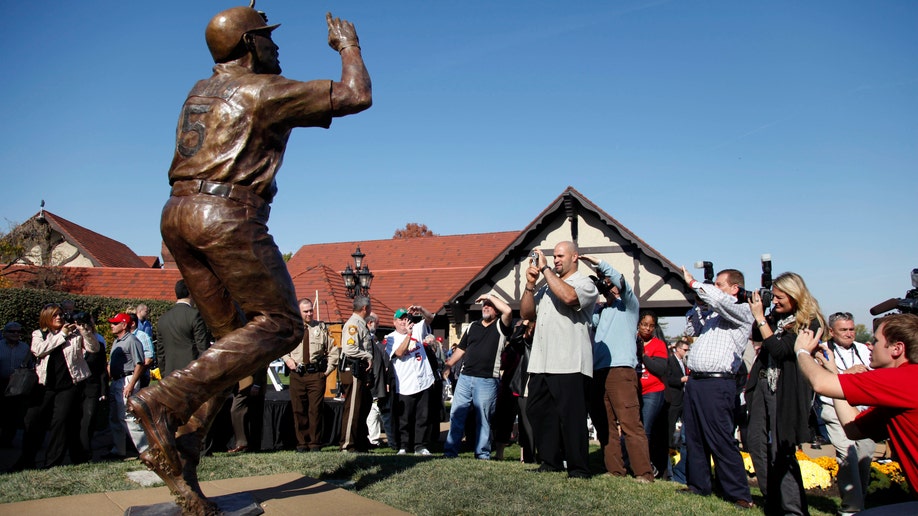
<point x="778" y="396"/>
<point x="54" y="403"/>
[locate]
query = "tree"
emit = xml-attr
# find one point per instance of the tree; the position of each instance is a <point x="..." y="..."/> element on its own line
<point x="287" y="256"/>
<point x="413" y="230"/>
<point x="861" y="334"/>
<point x="33" y="243"/>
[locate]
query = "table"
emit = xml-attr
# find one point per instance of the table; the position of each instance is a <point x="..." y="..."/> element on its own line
<point x="277" y="431"/>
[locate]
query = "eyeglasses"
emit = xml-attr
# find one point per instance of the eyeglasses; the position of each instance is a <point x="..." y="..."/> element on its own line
<point x="840" y="316"/>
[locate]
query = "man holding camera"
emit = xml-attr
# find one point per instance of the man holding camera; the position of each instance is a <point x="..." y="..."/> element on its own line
<point x="710" y="392"/>
<point x="310" y="363"/>
<point x="414" y="377"/>
<point x="616" y="388"/>
<point x="478" y="386"/>
<point x="561" y="361"/>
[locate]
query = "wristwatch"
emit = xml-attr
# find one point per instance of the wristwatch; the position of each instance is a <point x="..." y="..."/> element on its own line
<point x="545" y="267"/>
<point x="761" y="323"/>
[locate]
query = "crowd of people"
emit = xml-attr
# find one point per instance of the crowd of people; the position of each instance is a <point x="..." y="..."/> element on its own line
<point x="582" y="351"/>
<point x="77" y="375"/>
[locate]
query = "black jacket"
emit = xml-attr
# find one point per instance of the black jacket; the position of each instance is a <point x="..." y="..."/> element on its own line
<point x="794" y="396"/>
<point x="182" y="338"/>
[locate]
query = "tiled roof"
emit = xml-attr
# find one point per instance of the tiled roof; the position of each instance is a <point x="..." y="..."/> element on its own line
<point x="424" y="271"/>
<point x="101" y="250"/>
<point x="117" y="282"/>
<point x="151" y="261"/>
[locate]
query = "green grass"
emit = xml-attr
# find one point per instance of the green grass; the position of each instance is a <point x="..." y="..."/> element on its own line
<point x="419" y="485"/>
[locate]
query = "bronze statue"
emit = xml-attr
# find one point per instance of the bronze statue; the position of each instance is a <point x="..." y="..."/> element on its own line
<point x="230" y="142"/>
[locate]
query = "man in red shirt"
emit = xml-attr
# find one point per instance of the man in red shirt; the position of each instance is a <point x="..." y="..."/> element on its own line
<point x="888" y="389"/>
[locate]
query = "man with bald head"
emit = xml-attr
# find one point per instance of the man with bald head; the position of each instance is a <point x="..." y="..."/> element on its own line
<point x="561" y="362"/>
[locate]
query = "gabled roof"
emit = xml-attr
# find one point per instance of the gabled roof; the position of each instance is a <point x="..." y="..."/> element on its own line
<point x="99" y="249"/>
<point x="571" y="203"/>
<point x="423" y="271"/>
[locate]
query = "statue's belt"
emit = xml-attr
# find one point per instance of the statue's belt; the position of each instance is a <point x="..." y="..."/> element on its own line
<point x="237" y="193"/>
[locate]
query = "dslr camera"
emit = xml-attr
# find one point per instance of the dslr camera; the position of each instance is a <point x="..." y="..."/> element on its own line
<point x="81" y="318"/>
<point x="743" y="296"/>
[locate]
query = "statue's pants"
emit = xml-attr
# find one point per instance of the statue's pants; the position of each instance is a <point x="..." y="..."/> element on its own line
<point x="241" y="286"/>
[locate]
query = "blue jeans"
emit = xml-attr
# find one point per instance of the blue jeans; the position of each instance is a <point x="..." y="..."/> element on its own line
<point x="480" y="393"/>
<point x="653" y="405"/>
<point x="679" y="468"/>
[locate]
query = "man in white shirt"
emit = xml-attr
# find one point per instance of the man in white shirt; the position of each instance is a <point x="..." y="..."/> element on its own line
<point x="413" y="377"/>
<point x="853" y="456"/>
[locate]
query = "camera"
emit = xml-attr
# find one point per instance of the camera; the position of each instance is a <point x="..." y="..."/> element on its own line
<point x="905" y="305"/>
<point x="603" y="286"/>
<point x="300" y="369"/>
<point x="533" y="259"/>
<point x="743" y="296"/>
<point x="82" y="318"/>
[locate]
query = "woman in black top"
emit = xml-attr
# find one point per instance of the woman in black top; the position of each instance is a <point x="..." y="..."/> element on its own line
<point x="778" y="396"/>
<point x="54" y="403"/>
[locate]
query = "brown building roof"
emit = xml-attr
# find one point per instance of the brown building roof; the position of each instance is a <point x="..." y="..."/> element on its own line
<point x="99" y="249"/>
<point x="117" y="282"/>
<point x="425" y="271"/>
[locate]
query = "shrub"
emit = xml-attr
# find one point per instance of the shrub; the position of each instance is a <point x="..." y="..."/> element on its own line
<point x="24" y="306"/>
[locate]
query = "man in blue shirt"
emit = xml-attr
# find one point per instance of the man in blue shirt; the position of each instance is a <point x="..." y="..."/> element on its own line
<point x="616" y="388"/>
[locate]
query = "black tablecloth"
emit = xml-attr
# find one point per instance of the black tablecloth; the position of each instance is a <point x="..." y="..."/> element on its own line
<point x="277" y="427"/>
<point x="277" y="431"/>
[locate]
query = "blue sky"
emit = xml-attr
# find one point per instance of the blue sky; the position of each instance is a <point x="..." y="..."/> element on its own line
<point x="715" y="130"/>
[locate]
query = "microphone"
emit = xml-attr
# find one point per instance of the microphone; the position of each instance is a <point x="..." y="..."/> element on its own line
<point x="885" y="306"/>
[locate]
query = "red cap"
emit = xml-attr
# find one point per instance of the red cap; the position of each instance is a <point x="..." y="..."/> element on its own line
<point x="120" y="318"/>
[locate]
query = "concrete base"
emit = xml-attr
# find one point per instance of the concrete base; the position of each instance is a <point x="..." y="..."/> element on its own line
<point x="283" y="494"/>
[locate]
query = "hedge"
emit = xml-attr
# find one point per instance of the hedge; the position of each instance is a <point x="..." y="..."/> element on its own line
<point x="24" y="305"/>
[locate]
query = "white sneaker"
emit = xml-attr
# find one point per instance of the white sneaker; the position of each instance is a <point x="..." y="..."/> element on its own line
<point x="422" y="451"/>
<point x="402" y="452"/>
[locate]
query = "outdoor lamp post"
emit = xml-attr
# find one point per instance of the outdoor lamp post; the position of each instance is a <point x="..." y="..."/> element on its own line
<point x="357" y="280"/>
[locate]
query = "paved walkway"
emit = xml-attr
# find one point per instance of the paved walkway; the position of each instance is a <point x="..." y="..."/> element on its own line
<point x="286" y="493"/>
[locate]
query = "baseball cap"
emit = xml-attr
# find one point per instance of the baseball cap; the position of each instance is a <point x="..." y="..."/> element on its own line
<point x="401" y="312"/>
<point x="121" y="318"/>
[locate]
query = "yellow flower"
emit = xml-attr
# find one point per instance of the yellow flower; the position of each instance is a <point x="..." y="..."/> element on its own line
<point x="886" y="475"/>
<point x="814" y="476"/>
<point x="829" y="464"/>
<point x="747" y="463"/>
